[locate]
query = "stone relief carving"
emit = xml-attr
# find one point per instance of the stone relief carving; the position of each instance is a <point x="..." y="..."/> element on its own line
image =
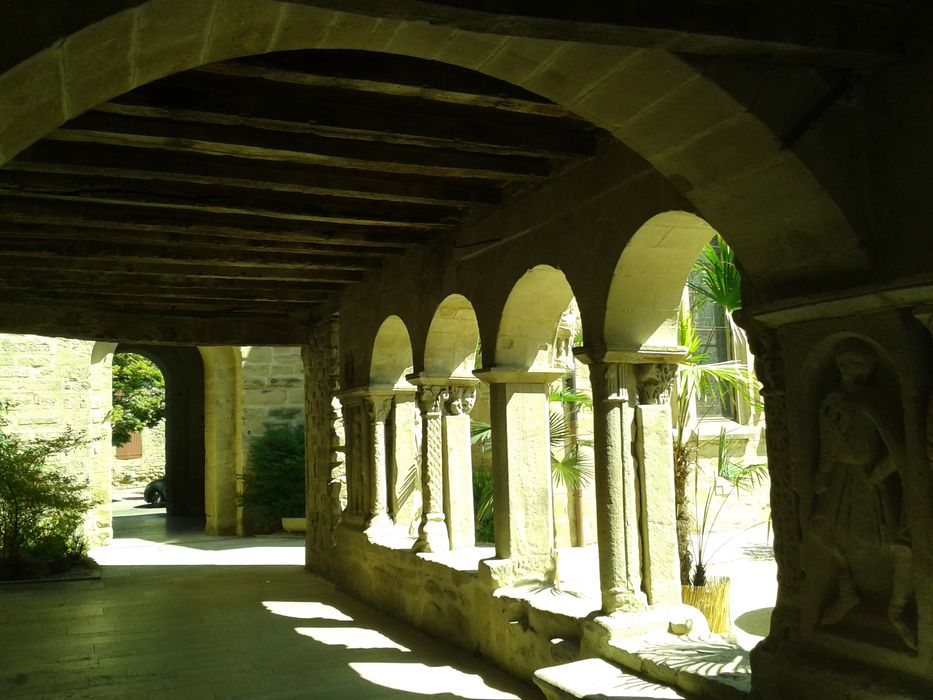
<point x="857" y="547"/>
<point x="654" y="381"/>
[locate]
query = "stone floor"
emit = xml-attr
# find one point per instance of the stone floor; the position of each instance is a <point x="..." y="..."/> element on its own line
<point x="178" y="615"/>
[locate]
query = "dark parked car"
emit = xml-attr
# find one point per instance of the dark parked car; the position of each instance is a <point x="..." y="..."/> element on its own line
<point x="155" y="492"/>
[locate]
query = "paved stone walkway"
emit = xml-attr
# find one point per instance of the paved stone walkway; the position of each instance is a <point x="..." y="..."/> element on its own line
<point x="179" y="615"/>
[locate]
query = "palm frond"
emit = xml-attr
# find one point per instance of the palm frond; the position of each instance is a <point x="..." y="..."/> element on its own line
<point x="715" y="278"/>
<point x="574" y="470"/>
<point x="481" y="434"/>
<point x="558" y="430"/>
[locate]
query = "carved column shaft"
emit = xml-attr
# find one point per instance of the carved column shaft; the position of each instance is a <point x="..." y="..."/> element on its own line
<point x="432" y="535"/>
<point x="357" y="457"/>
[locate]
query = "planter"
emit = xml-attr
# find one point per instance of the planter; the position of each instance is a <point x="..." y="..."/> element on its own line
<point x="294" y="524"/>
<point x="713" y="601"/>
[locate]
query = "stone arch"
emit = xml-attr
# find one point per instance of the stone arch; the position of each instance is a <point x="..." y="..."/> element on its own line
<point x="657" y="103"/>
<point x="183" y="370"/>
<point x="450" y="347"/>
<point x="648" y="282"/>
<point x="527" y="329"/>
<point x="223" y="444"/>
<point x="391" y="354"/>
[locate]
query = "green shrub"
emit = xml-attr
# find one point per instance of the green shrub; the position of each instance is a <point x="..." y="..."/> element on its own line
<point x="482" y="500"/>
<point x="41" y="510"/>
<point x="274" y="482"/>
<point x="138" y="396"/>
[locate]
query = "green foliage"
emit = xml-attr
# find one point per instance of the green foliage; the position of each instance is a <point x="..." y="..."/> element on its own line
<point x="738" y="477"/>
<point x="138" y="396"/>
<point x="41" y="510"/>
<point x="574" y="469"/>
<point x="482" y="497"/>
<point x="274" y="482"/>
<point x="715" y="278"/>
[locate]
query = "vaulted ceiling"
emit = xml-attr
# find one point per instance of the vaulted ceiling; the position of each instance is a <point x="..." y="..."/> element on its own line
<point x="259" y="188"/>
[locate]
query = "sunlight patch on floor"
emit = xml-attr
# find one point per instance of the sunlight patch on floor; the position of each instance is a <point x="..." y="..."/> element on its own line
<point x="350" y="637"/>
<point x="305" y="610"/>
<point x="138" y="552"/>
<point x="421" y="679"/>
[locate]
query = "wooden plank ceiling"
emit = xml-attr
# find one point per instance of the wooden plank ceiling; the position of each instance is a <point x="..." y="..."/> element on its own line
<point x="259" y="188"/>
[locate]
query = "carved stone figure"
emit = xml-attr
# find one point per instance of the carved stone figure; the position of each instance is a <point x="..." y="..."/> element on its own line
<point x="857" y="551"/>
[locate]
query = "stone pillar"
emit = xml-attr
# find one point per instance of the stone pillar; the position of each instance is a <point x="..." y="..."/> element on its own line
<point x="378" y="405"/>
<point x="654" y="452"/>
<point x="432" y="534"/>
<point x="521" y="471"/>
<point x="616" y="493"/>
<point x="324" y="472"/>
<point x="458" y="467"/>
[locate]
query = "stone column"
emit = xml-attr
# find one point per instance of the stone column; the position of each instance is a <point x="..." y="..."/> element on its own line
<point x="616" y="500"/>
<point x="458" y="466"/>
<point x="357" y="453"/>
<point x="654" y="452"/>
<point x="378" y="406"/>
<point x="432" y="534"/>
<point x="521" y="472"/>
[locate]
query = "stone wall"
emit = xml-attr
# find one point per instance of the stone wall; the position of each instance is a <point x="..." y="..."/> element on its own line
<point x="141" y="470"/>
<point x="54" y="383"/>
<point x="273" y="388"/>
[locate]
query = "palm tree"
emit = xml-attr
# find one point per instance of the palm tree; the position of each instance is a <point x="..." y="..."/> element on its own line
<point x="715" y="279"/>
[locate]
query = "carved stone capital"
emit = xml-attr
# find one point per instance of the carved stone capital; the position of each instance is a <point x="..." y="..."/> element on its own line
<point x="378" y="407"/>
<point x="431" y="398"/>
<point x="461" y="401"/>
<point x="608" y="382"/>
<point x="654" y="381"/>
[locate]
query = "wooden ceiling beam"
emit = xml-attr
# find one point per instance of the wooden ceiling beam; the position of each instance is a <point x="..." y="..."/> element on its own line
<point x="230" y="200"/>
<point x="305" y="149"/>
<point x="133" y="252"/>
<point x="29" y="210"/>
<point x="216" y="99"/>
<point x="94" y="160"/>
<point x="173" y="285"/>
<point x="190" y="270"/>
<point x="401" y="84"/>
<point x="94" y="301"/>
<point x="47" y="232"/>
<point x="127" y="325"/>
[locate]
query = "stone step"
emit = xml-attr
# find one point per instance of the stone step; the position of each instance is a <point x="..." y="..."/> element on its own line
<point x="596" y="678"/>
<point x="706" y="665"/>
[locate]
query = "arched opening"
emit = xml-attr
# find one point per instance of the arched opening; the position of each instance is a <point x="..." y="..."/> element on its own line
<point x="535" y="428"/>
<point x="706" y="484"/>
<point x="137" y="426"/>
<point x="183" y="371"/>
<point x="450" y="355"/>
<point x="391" y="363"/>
